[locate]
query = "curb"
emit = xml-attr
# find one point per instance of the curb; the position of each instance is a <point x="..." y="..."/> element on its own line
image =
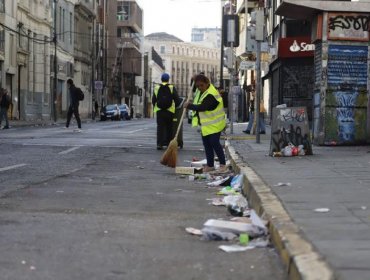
<point x="298" y="255"/>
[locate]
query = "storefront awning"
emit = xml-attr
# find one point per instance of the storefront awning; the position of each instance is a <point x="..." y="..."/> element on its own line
<point x="303" y="9"/>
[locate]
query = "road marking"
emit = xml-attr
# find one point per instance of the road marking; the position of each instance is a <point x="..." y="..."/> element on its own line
<point x="12" y="167"/>
<point x="68" y="151"/>
<point x="132" y="131"/>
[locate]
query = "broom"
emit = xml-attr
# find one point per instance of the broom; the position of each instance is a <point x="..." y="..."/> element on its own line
<point x="169" y="158"/>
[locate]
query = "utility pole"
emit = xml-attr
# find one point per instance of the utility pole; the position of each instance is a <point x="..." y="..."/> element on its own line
<point x="93" y="77"/>
<point x="54" y="95"/>
<point x="259" y="38"/>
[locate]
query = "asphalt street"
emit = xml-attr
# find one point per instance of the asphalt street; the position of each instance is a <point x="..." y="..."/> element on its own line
<point x="98" y="205"/>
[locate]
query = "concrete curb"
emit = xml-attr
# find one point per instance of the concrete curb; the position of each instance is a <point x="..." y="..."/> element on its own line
<point x="301" y="260"/>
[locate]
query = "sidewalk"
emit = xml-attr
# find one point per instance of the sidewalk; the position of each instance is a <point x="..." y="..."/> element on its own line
<point x="313" y="245"/>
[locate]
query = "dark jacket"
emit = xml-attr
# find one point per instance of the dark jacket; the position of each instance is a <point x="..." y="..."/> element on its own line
<point x="73" y="95"/>
<point x="5" y="101"/>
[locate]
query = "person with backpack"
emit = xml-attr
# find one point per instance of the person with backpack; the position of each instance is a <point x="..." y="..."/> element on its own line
<point x="165" y="99"/>
<point x="76" y="95"/>
<point x="4" y="107"/>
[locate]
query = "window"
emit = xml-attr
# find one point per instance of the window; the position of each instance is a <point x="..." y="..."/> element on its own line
<point x="123" y="11"/>
<point x="119" y="35"/>
<point x="2" y="6"/>
<point x="163" y="49"/>
<point x="2" y="39"/>
<point x="63" y="22"/>
<point x="70" y="27"/>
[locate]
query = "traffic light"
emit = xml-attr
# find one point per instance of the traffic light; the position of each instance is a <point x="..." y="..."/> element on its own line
<point x="230" y="26"/>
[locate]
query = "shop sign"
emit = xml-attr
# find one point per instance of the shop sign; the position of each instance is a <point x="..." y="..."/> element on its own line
<point x="296" y="47"/>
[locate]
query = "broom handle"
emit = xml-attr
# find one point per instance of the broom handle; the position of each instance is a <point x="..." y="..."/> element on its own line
<point x="184" y="111"/>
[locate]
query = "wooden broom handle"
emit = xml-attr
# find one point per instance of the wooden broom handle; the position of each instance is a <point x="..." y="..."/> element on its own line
<point x="184" y="111"/>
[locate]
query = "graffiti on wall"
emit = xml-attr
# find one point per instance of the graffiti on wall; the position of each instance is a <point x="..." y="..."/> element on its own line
<point x="348" y="26"/>
<point x="346" y="100"/>
<point x="290" y="125"/>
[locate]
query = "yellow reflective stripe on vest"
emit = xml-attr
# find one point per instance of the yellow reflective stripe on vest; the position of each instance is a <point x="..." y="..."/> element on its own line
<point x="212" y="121"/>
<point x="156" y="108"/>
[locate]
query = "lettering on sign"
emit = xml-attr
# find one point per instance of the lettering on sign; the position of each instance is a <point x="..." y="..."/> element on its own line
<point x="348" y="27"/>
<point x="302" y="47"/>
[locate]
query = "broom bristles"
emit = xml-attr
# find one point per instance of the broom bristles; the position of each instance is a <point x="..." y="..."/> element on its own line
<point x="169" y="158"/>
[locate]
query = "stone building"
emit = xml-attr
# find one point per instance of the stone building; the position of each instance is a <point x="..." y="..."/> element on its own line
<point x="183" y="60"/>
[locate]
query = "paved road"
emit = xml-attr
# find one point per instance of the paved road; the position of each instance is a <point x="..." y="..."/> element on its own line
<point x="98" y="205"/>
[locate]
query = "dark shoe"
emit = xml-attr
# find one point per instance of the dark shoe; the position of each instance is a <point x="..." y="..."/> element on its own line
<point x="247" y="131"/>
<point x="263" y="132"/>
<point x="6" y="127"/>
<point x="159" y="148"/>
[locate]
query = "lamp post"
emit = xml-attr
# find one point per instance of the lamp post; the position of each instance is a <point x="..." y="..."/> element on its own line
<point x="54" y="95"/>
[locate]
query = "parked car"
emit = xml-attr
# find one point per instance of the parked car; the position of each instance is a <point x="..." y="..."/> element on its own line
<point x="124" y="112"/>
<point x="111" y="112"/>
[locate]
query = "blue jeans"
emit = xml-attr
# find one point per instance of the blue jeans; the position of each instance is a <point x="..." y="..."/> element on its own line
<point x="261" y="121"/>
<point x="4" y="115"/>
<point x="212" y="145"/>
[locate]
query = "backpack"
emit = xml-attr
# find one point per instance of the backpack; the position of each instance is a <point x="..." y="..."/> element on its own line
<point x="80" y="94"/>
<point x="164" y="97"/>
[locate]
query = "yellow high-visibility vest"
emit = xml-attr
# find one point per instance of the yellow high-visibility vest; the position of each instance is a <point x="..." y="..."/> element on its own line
<point x="211" y="121"/>
<point x="156" y="108"/>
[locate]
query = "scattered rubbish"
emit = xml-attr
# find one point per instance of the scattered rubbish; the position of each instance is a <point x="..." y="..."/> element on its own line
<point x="243" y="239"/>
<point x="60" y="191"/>
<point x="105" y="231"/>
<point x="227" y="190"/>
<point x="234" y="248"/>
<point x="363" y="207"/>
<point x="218" y="182"/>
<point x="159" y="193"/>
<point x="198" y="163"/>
<point x="191" y="178"/>
<point x="235" y="227"/>
<point x="241" y="220"/>
<point x="236" y="204"/>
<point x="255" y="243"/>
<point x="257" y="221"/>
<point x="218" y="201"/>
<point x="322" y="210"/>
<point x="32" y="267"/>
<point x="23" y="262"/>
<point x="280" y="184"/>
<point x="292" y="150"/>
<point x="237" y="182"/>
<point x="194" y="231"/>
<point x="188" y="170"/>
<point x="210" y="233"/>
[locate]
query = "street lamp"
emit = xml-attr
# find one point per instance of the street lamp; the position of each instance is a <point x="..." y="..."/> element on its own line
<point x="54" y="95"/>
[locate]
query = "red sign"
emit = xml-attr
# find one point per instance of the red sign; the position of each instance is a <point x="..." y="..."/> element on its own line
<point x="295" y="47"/>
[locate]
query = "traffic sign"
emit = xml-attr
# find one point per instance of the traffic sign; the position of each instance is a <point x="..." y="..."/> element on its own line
<point x="98" y="85"/>
<point x="247" y="65"/>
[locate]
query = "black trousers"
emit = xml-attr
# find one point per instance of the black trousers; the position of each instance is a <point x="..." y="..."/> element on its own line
<point x="164" y="127"/>
<point x="73" y="109"/>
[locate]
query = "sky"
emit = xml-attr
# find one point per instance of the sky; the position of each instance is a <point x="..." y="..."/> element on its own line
<point x="178" y="17"/>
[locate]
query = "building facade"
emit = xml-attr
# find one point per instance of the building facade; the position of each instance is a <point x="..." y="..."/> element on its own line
<point x="42" y="44"/>
<point x="183" y="60"/>
<point x="125" y="56"/>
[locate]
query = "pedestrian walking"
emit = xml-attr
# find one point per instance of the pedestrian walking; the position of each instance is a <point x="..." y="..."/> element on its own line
<point x="96" y="109"/>
<point x="210" y="116"/>
<point x="74" y="104"/>
<point x="5" y="103"/>
<point x="251" y="116"/>
<point x="165" y="99"/>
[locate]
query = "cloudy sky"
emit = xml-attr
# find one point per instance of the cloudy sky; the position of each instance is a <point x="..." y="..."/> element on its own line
<point x="178" y="17"/>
